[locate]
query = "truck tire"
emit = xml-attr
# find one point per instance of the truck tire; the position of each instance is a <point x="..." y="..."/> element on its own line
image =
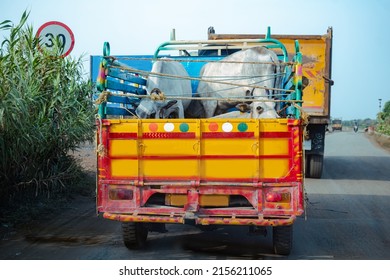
<point x="134" y="235"/>
<point x="316" y="166"/>
<point x="282" y="239"/>
<point x="307" y="166"/>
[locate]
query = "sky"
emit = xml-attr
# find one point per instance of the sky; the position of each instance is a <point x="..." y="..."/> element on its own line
<point x="361" y="37"/>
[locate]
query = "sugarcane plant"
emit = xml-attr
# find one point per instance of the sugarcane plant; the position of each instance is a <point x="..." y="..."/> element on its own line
<point x="45" y="112"/>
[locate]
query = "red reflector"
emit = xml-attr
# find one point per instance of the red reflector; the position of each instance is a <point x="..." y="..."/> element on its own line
<point x="120" y="194"/>
<point x="273" y="197"/>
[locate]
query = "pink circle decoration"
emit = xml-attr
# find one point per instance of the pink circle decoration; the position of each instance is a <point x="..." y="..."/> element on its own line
<point x="213" y="126"/>
<point x="153" y="127"/>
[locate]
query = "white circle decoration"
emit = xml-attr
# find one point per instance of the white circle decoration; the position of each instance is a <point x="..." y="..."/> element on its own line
<point x="169" y="127"/>
<point x="227" y="127"/>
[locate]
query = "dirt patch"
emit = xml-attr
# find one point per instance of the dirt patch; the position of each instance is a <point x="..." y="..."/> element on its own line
<point x="380" y="140"/>
<point x="86" y="156"/>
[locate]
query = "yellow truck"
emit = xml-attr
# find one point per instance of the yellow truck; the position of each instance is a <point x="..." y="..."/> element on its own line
<point x="203" y="172"/>
<point x="337" y="124"/>
<point x="317" y="79"/>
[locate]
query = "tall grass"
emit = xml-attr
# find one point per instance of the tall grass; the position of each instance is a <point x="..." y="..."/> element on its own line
<point x="45" y="111"/>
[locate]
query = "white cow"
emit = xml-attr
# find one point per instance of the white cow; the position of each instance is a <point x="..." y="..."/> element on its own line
<point x="159" y="86"/>
<point x="250" y="75"/>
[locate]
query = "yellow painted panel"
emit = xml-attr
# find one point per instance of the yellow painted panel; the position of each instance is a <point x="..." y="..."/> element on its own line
<point x="273" y="146"/>
<point x="169" y="147"/>
<point x="279" y="125"/>
<point x="124" y="126"/>
<point x="229" y="168"/>
<point x="124" y="168"/>
<point x="229" y="146"/>
<point x="207" y="158"/>
<point x="273" y="168"/>
<point x="170" y="168"/>
<point x="313" y="67"/>
<point x="120" y="147"/>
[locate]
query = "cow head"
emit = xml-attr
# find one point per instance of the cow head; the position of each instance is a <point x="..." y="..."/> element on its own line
<point x="171" y="110"/>
<point x="158" y="107"/>
<point x="262" y="106"/>
<point x="259" y="109"/>
<point x="263" y="110"/>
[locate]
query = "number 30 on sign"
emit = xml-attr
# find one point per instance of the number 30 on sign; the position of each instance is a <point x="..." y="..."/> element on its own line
<point x="53" y="32"/>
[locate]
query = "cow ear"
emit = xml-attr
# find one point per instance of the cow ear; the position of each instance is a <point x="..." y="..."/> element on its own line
<point x="170" y="104"/>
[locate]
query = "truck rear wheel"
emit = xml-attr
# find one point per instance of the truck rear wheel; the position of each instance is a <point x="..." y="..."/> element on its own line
<point x="282" y="239"/>
<point x="315" y="166"/>
<point x="134" y="235"/>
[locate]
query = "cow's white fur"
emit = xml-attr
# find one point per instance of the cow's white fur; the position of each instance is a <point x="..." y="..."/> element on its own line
<point x="168" y="86"/>
<point x="264" y="75"/>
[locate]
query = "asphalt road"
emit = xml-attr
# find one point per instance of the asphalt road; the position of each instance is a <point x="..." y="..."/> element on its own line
<point x="347" y="218"/>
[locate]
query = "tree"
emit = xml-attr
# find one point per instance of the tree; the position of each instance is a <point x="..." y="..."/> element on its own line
<point x="386" y="110"/>
<point x="384" y="120"/>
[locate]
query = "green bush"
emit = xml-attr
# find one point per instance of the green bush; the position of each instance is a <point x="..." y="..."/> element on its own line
<point x="45" y="112"/>
<point x="384" y="120"/>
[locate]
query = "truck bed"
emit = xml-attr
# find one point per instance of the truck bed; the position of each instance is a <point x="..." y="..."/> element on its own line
<point x="212" y="171"/>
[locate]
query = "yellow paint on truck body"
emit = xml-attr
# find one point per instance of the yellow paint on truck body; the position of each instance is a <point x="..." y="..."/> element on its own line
<point x="203" y="150"/>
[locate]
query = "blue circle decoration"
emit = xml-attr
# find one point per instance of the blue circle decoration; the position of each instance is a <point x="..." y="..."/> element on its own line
<point x="184" y="127"/>
<point x="242" y="127"/>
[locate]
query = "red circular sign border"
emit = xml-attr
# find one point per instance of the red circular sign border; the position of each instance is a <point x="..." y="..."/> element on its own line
<point x="64" y="26"/>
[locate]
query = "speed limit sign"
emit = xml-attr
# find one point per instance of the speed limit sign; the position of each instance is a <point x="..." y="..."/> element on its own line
<point x="53" y="32"/>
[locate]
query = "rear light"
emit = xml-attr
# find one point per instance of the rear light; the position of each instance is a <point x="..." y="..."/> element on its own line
<point x="273" y="197"/>
<point x="120" y="194"/>
<point x="278" y="196"/>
